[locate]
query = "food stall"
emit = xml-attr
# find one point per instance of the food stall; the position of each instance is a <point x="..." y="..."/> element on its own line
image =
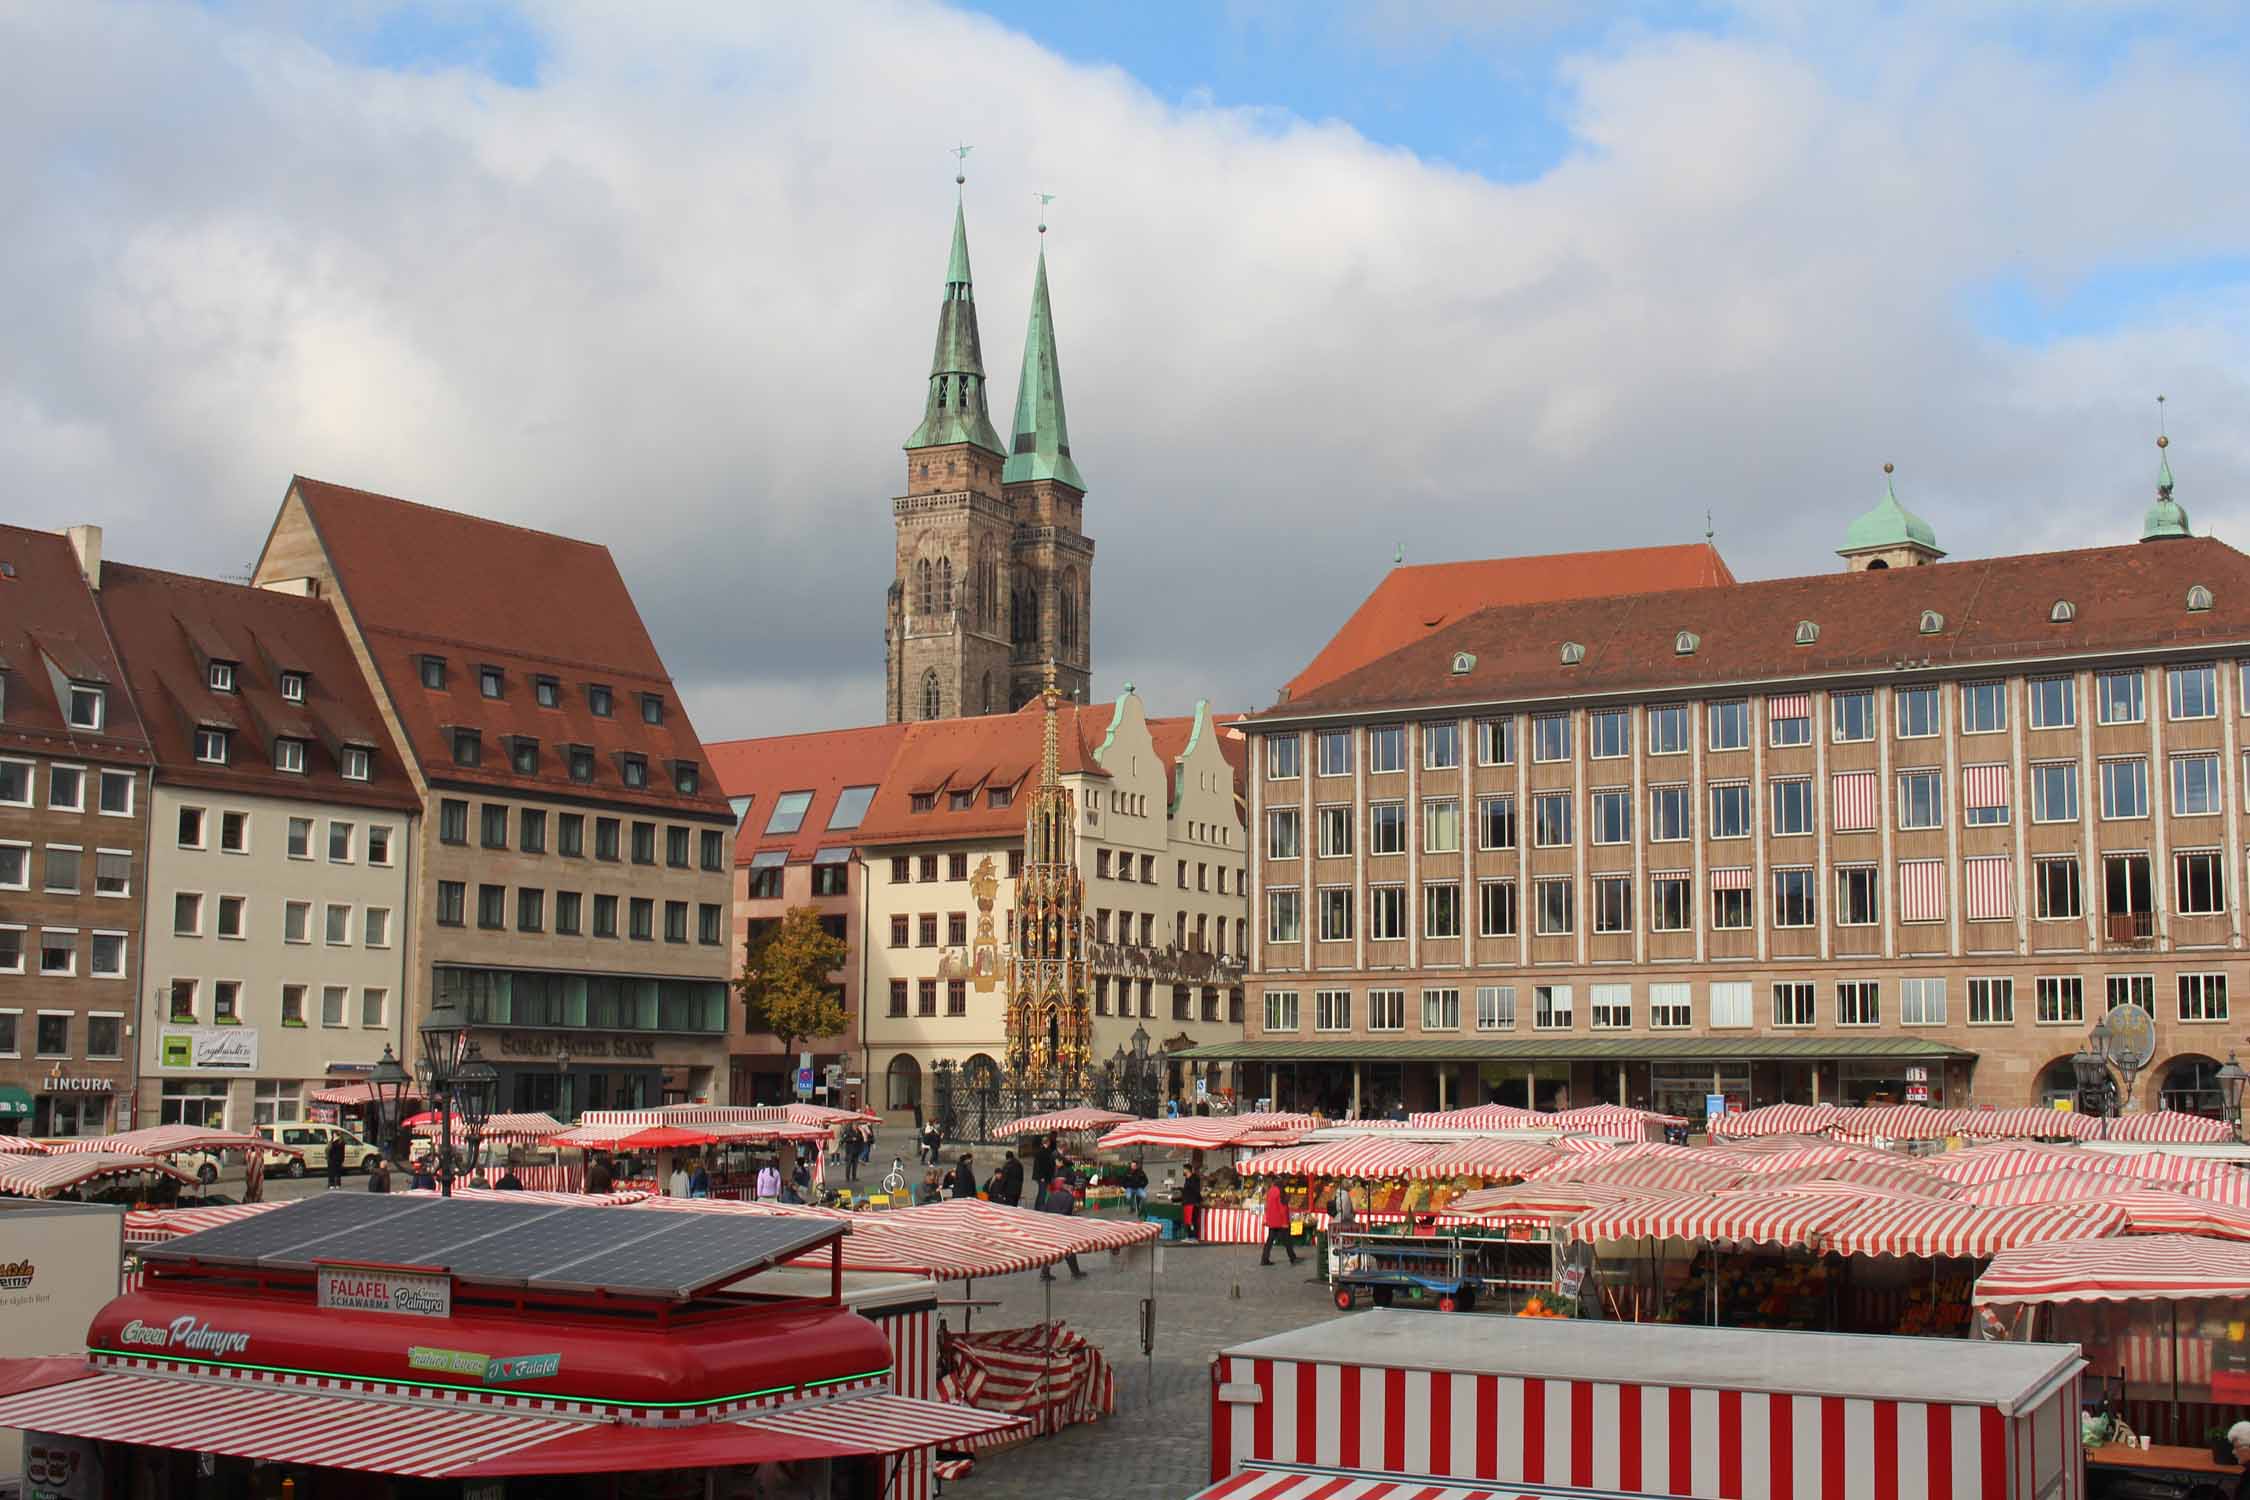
<point x="90" y="1175"/>
<point x="1356" y="1407"/>
<point x="204" y="1145"/>
<point x="733" y="1151"/>
<point x="349" y="1345"/>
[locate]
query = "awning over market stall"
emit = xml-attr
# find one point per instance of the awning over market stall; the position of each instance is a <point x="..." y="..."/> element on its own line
<point x="1483" y="1117"/>
<point x="172" y="1140"/>
<point x="1919" y="1226"/>
<point x="2157" y="1267"/>
<point x="354" y="1095"/>
<point x="1278" y="1484"/>
<point x="45" y="1176"/>
<point x="1061" y="1122"/>
<point x="1776" y="1119"/>
<point x="20" y="1145"/>
<point x="1352" y="1156"/>
<point x="1991" y="1163"/>
<point x="1487" y="1159"/>
<point x="2165" y="1127"/>
<point x="1758" y="1218"/>
<point x="1212" y="1132"/>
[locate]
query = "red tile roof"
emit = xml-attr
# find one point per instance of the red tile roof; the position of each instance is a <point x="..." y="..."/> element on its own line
<point x="1412" y="602"/>
<point x="822" y="763"/>
<point x="48" y="614"/>
<point x="2130" y="598"/>
<point x="479" y="593"/>
<point x="169" y="627"/>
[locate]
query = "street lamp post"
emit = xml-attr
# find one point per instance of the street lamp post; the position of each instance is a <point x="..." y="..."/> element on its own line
<point x="2093" y="1081"/>
<point x="562" y="1082"/>
<point x="2231" y="1079"/>
<point x="386" y="1087"/>
<point x="445" y="1050"/>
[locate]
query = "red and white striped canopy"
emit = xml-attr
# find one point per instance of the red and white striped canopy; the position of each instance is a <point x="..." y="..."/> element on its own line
<point x="1489" y="1159"/>
<point x="1054" y="1234"/>
<point x="20" y="1145"/>
<point x="1992" y="1163"/>
<point x="1212" y="1132"/>
<point x="426" y="1440"/>
<point x="1900" y="1225"/>
<point x="1777" y="1119"/>
<point x="45" y="1176"/>
<point x="1080" y="1121"/>
<point x="2026" y="1125"/>
<point x="1482" y="1117"/>
<point x="1852" y="1174"/>
<point x="2170" y="1208"/>
<point x="2150" y="1268"/>
<point x="1359" y="1156"/>
<point x="879" y="1423"/>
<point x="2166" y="1127"/>
<point x="169" y="1140"/>
<point x="1616" y="1120"/>
<point x="1787" y="1153"/>
<point x="713" y="1132"/>
<point x="152" y="1226"/>
<point x="1538" y="1204"/>
<point x="355" y="1095"/>
<point x="1899" y="1122"/>
<point x="1651" y="1165"/>
<point x="2158" y="1210"/>
<point x="1275" y="1484"/>
<point x="1762" y="1218"/>
<point x="502" y="1130"/>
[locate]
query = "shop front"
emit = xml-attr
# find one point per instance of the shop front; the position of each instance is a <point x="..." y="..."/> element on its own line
<point x="566" y="1073"/>
<point x="75" y="1104"/>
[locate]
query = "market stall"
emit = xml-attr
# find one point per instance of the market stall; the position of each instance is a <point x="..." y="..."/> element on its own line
<point x="20" y="1145"/>
<point x="1084" y="1120"/>
<point x="87" y="1175"/>
<point x="204" y="1145"/>
<point x="733" y="1151"/>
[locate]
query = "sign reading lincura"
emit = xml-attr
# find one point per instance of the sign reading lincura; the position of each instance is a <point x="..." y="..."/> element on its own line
<point x="182" y="1333"/>
<point x="358" y="1290"/>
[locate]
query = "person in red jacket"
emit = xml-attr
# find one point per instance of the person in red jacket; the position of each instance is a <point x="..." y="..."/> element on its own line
<point x="1277" y="1224"/>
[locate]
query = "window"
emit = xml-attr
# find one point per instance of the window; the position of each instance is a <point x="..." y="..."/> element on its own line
<point x="1668" y="814"/>
<point x="1917" y="712"/>
<point x="433" y="672"/>
<point x="2054" y="792"/>
<point x="113" y="871"/>
<point x="493" y="825"/>
<point x="1730" y="899"/>
<point x="1386" y="828"/>
<point x="230" y="916"/>
<point x="234" y="830"/>
<point x="1284" y="757"/>
<point x="1386" y="913"/>
<point x="1284" y="830"/>
<point x="105" y="958"/>
<point x="1793" y="1003"/>
<point x="1281" y="1010"/>
<point x="373" y="1005"/>
<point x="1550" y="737"/>
<point x="1386" y="751"/>
<point x="1441" y="825"/>
<point x="2133" y="989"/>
<point x="1333" y="749"/>
<point x="1335" y="824"/>
<point x="1441" y="1010"/>
<point x="187" y="914"/>
<point x="1496" y="823"/>
<point x="293" y="687"/>
<point x="605" y="916"/>
<point x="2062" y="1000"/>
<point x="1612" y="816"/>
<point x="1609" y="734"/>
<point x="2194" y="691"/>
<point x="66" y="788"/>
<point x="675" y="921"/>
<point x="289" y="755"/>
<point x="2195" y="785"/>
<point x="15" y="782"/>
<point x="1793" y="898"/>
<point x="292" y="1005"/>
<point x="1550" y="819"/>
<point x="710" y="923"/>
<point x="1859" y="1002"/>
<point x="633" y="770"/>
<point x="1729" y="724"/>
<point x="116" y="793"/>
<point x="1730" y="810"/>
<point x="1668" y="729"/>
<point x="1792" y="806"/>
<point x="492" y="907"/>
<point x="453" y="826"/>
<point x="1670" y="1006"/>
<point x="468" y="747"/>
<point x="211" y="746"/>
<point x="1613" y="903"/>
<point x="53" y="1034"/>
<point x="1671" y="906"/>
<point x="599" y="700"/>
<point x="452" y="903"/>
<point x="2119" y="697"/>
<point x="1730" y="1003"/>
<point x="1992" y="1002"/>
<point x="1921" y="800"/>
<point x="15" y="866"/>
<point x="1496" y="742"/>
<point x="1984" y="708"/>
<point x="2203" y="997"/>
<point x="2125" y="788"/>
<point x="87" y="707"/>
<point x="531" y="909"/>
<point x="1496" y="1007"/>
<point x="1285" y="916"/>
<point x="1556" y="901"/>
<point x="652" y="708"/>
<point x="2055" y="890"/>
<point x="1610" y="1006"/>
<point x="337" y="920"/>
<point x="1496" y="908"/>
<point x="788" y="812"/>
<point x="226" y="1002"/>
<point x="1851" y="717"/>
<point x="2199" y="882"/>
<point x="1859" y="899"/>
<point x="687" y="776"/>
<point x="58" y="951"/>
<point x="1441" y="909"/>
<point x="712" y="847"/>
<point x="581" y="760"/>
<point x="1984" y="795"/>
<point x="1789" y="721"/>
<point x="1335" y="915"/>
<point x="1441" y="747"/>
<point x="644" y="843"/>
<point x="641" y="914"/>
<point x="1921" y="1002"/>
<point x="676" y="847"/>
<point x="606" y="834"/>
<point x="1550" y="1007"/>
<point x="2054" y="702"/>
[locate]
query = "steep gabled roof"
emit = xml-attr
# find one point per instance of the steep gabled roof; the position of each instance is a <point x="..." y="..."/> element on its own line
<point x="49" y="624"/>
<point x="1412" y="602"/>
<point x="822" y="764"/>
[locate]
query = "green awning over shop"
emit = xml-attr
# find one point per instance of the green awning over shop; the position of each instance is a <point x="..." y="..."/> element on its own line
<point x="15" y="1104"/>
<point x="1580" y="1049"/>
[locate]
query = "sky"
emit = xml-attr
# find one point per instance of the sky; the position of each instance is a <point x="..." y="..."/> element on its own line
<point x="1458" y="277"/>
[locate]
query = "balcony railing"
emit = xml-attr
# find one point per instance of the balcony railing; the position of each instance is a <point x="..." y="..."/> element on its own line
<point x="2128" y="929"/>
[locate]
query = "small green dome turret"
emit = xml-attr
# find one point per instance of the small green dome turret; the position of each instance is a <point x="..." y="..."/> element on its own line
<point x="2167" y="518"/>
<point x="1890" y="534"/>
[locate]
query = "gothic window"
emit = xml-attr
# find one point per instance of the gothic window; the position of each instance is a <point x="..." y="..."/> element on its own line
<point x="988" y="692"/>
<point x="1025" y="626"/>
<point x="1070" y="612"/>
<point x="932" y="703"/>
<point x="924" y="603"/>
<point x="945" y="583"/>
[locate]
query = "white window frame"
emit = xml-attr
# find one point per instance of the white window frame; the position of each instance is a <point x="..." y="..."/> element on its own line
<point x="2214" y="785"/>
<point x="102" y="778"/>
<point x="1386" y="1010"/>
<point x="1991" y="694"/>
<point x="2042" y="803"/>
<point x="1609" y="734"/>
<point x="2058" y="987"/>
<point x="1671" y="1006"/>
<point x="1863" y="993"/>
<point x="2178" y="707"/>
<point x="1551" y="1008"/>
<point x="1386" y="751"/>
<point x="354" y="763"/>
<point x="1332" y="1010"/>
<point x="1386" y="913"/>
<point x="2105" y="701"/>
<point x="1602" y="801"/>
<point x="2104" y="767"/>
<point x="1727" y="710"/>
<point x="1992" y="1000"/>
<point x="1865" y="699"/>
<point x="1682" y="795"/>
<point x="1915" y="994"/>
<point x="1803" y="787"/>
<point x="2209" y="1000"/>
<point x="1919" y="775"/>
<point x="1437" y="1003"/>
<point x="1929" y="693"/>
<point x="1805" y="990"/>
<point x="1670" y="713"/>
<point x="46" y="973"/>
<point x="1539" y="906"/>
<point x="30" y="769"/>
<point x="1496" y="1007"/>
<point x="1735" y="791"/>
<point x="209" y="740"/>
<point x="2036" y="707"/>
<point x="74" y="769"/>
<point x="1609" y="1007"/>
<point x="1539" y="722"/>
<point x="1502" y="730"/>
<point x="1732" y="1004"/>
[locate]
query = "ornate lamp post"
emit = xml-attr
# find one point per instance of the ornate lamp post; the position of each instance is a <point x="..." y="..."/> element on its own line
<point x="476" y="1087"/>
<point x="2093" y="1081"/>
<point x="2231" y="1079"/>
<point x="562" y="1082"/>
<point x="445" y="1050"/>
<point x="386" y="1087"/>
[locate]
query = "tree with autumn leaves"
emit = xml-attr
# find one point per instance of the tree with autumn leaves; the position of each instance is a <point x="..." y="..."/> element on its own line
<point x="784" y="985"/>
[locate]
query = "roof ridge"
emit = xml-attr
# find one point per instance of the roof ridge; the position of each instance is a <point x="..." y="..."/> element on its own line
<point x="172" y="577"/>
<point x="445" y="510"/>
<point x="517" y="653"/>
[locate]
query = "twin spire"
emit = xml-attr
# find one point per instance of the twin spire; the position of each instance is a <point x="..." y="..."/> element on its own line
<point x="957" y="410"/>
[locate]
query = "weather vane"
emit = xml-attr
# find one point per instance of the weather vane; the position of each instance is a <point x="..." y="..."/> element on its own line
<point x="961" y="164"/>
<point x="1044" y="200"/>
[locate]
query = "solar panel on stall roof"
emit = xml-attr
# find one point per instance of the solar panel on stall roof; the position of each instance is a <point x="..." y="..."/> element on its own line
<point x="700" y="1253"/>
<point x="276" y="1233"/>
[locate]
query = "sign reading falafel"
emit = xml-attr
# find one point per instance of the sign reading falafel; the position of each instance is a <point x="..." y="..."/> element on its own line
<point x="357" y="1290"/>
<point x="484" y="1367"/>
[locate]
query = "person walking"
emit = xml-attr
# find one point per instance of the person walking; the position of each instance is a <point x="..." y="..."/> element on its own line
<point x="963" y="1182"/>
<point x="1341" y="1213"/>
<point x="1059" y="1199"/>
<point x="335" y="1161"/>
<point x="769" y="1182"/>
<point x="1277" y="1224"/>
<point x="1043" y="1163"/>
<point x="1191" y="1203"/>
<point x="851" y="1150"/>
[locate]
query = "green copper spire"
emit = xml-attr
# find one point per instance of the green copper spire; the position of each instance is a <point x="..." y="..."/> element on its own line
<point x="2167" y="518"/>
<point x="1042" y="433"/>
<point x="1889" y="524"/>
<point x="956" y="410"/>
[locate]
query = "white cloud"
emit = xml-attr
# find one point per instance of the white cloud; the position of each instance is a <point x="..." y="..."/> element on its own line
<point x="679" y="298"/>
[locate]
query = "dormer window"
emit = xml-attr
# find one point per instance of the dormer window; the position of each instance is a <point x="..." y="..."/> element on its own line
<point x="1932" y="622"/>
<point x="355" y="763"/>
<point x="293" y="687"/>
<point x="491" y="682"/>
<point x="211" y="746"/>
<point x="652" y="708"/>
<point x="1572" y="653"/>
<point x="1463" y="663"/>
<point x="289" y="755"/>
<point x="686" y="777"/>
<point x="2199" y="598"/>
<point x="523" y="754"/>
<point x="547" y="692"/>
<point x="221" y="676"/>
<point x="468" y="747"/>
<point x="433" y="673"/>
<point x="2063" y="613"/>
<point x="581" y="763"/>
<point x="88" y="709"/>
<point x="634" y="769"/>
<point x="1685" y="642"/>
<point x="960" y="801"/>
<point x="1808" y="632"/>
<point x="922" y="802"/>
<point x="1001" y="796"/>
<point x="599" y="700"/>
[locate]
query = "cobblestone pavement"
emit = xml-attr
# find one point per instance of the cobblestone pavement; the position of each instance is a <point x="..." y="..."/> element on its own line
<point x="1157" y="1447"/>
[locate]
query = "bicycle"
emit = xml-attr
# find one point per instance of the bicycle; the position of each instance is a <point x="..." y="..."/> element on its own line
<point x="894" y="1181"/>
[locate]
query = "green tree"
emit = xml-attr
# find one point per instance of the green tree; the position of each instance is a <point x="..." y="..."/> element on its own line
<point x="784" y="984"/>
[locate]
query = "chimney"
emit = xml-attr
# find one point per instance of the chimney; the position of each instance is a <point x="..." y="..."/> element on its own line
<point x="303" y="588"/>
<point x="86" y="541"/>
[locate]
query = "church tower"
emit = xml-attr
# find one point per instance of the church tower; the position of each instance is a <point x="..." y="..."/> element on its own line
<point x="1049" y="1032"/>
<point x="945" y="633"/>
<point x="1051" y="597"/>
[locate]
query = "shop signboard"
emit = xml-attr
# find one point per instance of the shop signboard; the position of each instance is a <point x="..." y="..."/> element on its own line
<point x="61" y="1468"/>
<point x="369" y="1289"/>
<point x="1714" y="1105"/>
<point x="223" y="1049"/>
<point x="58" y="1267"/>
